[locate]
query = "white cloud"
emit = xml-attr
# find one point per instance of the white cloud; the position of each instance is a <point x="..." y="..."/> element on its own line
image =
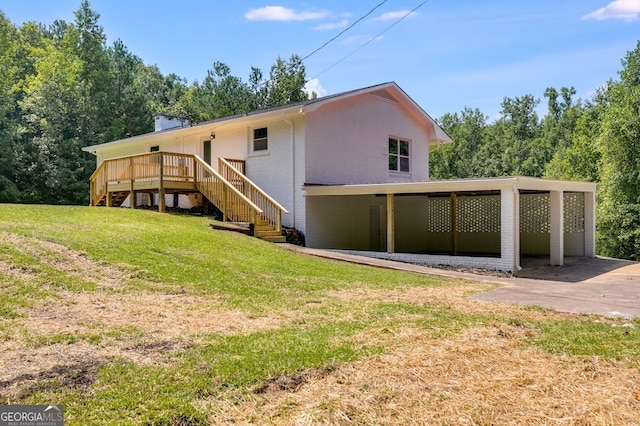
<point x="331" y="26"/>
<point x="627" y="10"/>
<point x="389" y="16"/>
<point x="279" y="13"/>
<point x="314" y="86"/>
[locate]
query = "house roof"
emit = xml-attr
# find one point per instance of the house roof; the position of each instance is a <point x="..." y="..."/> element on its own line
<point x="389" y="90"/>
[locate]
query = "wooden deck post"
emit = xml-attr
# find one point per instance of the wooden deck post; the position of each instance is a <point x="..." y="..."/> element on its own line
<point x="161" y="194"/>
<point x="132" y="193"/>
<point x="224" y="203"/>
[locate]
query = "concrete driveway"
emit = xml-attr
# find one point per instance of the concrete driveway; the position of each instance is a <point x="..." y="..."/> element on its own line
<point x="601" y="286"/>
<point x="598" y="285"/>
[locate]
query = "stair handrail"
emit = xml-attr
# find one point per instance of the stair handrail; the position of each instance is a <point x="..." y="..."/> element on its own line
<point x="96" y="193"/>
<point x="252" y="185"/>
<point x="200" y="162"/>
<point x="272" y="209"/>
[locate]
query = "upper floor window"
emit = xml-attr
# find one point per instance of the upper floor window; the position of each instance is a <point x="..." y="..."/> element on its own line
<point x="398" y="155"/>
<point x="260" y="139"/>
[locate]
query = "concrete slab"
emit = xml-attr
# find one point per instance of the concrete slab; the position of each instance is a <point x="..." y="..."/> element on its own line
<point x="602" y="286"/>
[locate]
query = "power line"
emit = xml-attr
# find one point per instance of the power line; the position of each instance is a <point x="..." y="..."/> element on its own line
<point x="370" y="40"/>
<point x="346" y="29"/>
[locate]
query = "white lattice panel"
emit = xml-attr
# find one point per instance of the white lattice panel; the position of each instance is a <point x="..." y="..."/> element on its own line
<point x="439" y="214"/>
<point x="534" y="213"/>
<point x="573" y="213"/>
<point x="478" y="214"/>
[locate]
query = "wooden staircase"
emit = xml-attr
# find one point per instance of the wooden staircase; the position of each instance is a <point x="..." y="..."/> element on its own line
<point x="117" y="198"/>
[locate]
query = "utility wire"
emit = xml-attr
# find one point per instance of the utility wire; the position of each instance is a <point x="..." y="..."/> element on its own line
<point x="346" y="29"/>
<point x="369" y="41"/>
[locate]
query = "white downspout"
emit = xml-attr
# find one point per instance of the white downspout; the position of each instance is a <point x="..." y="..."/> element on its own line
<point x="293" y="168"/>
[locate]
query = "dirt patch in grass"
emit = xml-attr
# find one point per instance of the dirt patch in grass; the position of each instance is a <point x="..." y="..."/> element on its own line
<point x="7" y="268"/>
<point x="24" y="371"/>
<point x="483" y="376"/>
<point x="78" y="375"/>
<point x="290" y="382"/>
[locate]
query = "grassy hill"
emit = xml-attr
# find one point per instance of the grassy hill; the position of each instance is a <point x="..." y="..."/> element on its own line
<point x="133" y="317"/>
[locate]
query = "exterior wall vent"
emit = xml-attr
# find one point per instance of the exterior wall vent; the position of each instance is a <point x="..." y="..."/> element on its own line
<point x="385" y="94"/>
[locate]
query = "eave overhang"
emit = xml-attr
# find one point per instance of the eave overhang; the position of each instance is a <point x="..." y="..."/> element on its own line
<point x="448" y="186"/>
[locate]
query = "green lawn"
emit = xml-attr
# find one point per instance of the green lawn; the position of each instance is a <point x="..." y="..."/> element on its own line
<point x="134" y="317"/>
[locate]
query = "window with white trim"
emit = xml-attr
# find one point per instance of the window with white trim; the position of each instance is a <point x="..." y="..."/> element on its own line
<point x="398" y="155"/>
<point x="260" y="139"/>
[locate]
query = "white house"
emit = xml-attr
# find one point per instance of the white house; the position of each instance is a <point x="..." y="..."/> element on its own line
<point x="351" y="172"/>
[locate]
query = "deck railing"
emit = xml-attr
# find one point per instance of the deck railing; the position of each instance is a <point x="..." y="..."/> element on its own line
<point x="271" y="210"/>
<point x="153" y="166"/>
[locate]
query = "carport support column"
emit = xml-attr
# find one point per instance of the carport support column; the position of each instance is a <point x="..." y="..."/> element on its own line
<point x="590" y="224"/>
<point x="556" y="248"/>
<point x="510" y="229"/>
<point x="391" y="220"/>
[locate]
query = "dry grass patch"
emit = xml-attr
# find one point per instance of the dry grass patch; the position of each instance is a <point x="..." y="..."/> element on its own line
<point x="72" y="262"/>
<point x="144" y="328"/>
<point x="7" y="268"/>
<point x="454" y="297"/>
<point x="483" y="376"/>
<point x="161" y="315"/>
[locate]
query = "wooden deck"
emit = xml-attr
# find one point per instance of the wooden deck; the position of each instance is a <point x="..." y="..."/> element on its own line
<point x="239" y="199"/>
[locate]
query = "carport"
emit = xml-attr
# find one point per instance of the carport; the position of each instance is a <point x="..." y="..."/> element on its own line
<point x="478" y="223"/>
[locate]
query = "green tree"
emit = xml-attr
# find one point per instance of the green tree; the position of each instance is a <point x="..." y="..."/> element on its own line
<point x="459" y="159"/>
<point x="128" y="103"/>
<point x="8" y="163"/>
<point x="52" y="158"/>
<point x="619" y="142"/>
<point x="518" y="134"/>
<point x="581" y="158"/>
<point x="220" y="95"/>
<point x="286" y="82"/>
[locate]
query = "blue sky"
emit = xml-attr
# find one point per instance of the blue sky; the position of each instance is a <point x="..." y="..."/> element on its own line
<point x="446" y="55"/>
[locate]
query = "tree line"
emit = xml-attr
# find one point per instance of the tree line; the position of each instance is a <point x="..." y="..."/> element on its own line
<point x="62" y="88"/>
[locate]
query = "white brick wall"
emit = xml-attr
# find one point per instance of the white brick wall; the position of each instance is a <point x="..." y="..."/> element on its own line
<point x="556" y="220"/>
<point x="589" y="224"/>
<point x="509" y="229"/>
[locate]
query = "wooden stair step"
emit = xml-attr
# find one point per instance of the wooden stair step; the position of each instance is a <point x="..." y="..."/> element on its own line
<point x="275" y="239"/>
<point x="271" y="233"/>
